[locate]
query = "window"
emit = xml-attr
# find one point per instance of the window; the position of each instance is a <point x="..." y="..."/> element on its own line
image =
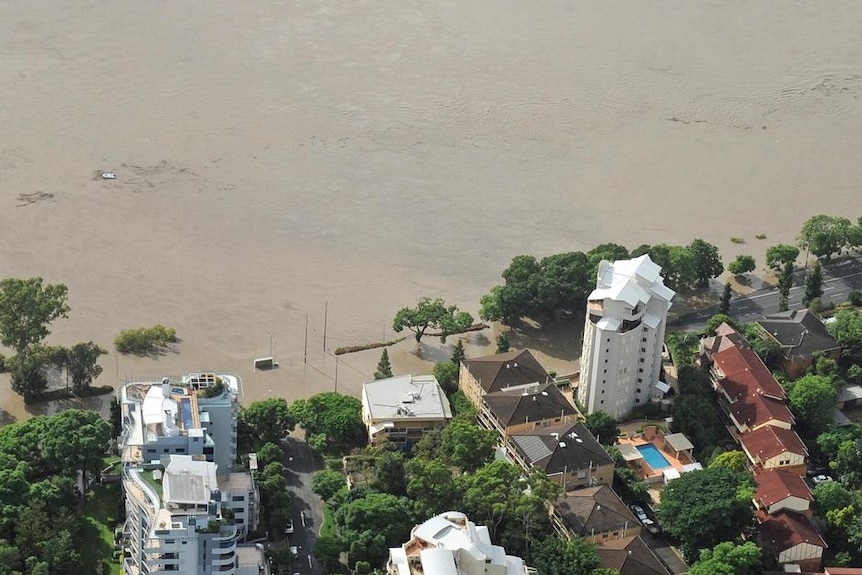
<point x="195" y="439"/>
<point x="605" y="371"/>
<point x="238" y="498"/>
<point x="643" y="350"/>
<point x="602" y="402"/>
<point x="603" y="391"/>
<point x="640" y="370"/>
<point x="166" y="450"/>
<point x="643" y="340"/>
<point x="239" y="520"/>
<point x="638" y="390"/>
<point x="637" y="400"/>
<point x="609" y="340"/>
<point x="606" y="361"/>
<point x="170" y="541"/>
<point x="641" y="360"/>
<point x="604" y="381"/>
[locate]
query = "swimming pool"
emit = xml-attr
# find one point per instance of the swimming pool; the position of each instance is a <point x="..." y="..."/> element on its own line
<point x="653" y="456"/>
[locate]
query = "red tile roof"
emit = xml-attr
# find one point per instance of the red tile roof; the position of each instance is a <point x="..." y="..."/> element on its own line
<point x="755" y="410"/>
<point x="770" y="441"/>
<point x="784" y="530"/>
<point x="744" y="373"/>
<point x="774" y="485"/>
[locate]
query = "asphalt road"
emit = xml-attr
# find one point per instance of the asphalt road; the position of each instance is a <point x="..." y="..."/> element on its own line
<point x="839" y="279"/>
<point x="300" y="465"/>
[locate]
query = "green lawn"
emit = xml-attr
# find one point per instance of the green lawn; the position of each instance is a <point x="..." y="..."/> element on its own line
<point x="100" y="518"/>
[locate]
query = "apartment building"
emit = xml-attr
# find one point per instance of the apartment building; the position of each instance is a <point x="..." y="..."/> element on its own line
<point x="623" y="337"/>
<point x="187" y="509"/>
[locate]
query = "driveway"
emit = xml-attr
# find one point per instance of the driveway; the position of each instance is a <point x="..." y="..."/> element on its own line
<point x="301" y="465"/>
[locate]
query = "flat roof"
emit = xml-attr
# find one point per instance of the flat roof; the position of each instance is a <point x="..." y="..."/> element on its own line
<point x="406" y="397"/>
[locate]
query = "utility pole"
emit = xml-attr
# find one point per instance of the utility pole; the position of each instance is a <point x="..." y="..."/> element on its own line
<point x="336" y="374"/>
<point x="305" y="350"/>
<point x="325" y="315"/>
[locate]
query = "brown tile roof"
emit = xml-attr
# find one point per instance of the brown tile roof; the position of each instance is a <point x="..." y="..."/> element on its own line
<point x="786" y="529"/>
<point x="594" y="510"/>
<point x="744" y="373"/>
<point x="725" y="337"/>
<point x="543" y="401"/>
<point x="770" y="441"/>
<point x="843" y="571"/>
<point x="755" y="410"/>
<point x="630" y="557"/>
<point x="513" y="368"/>
<point x="773" y="485"/>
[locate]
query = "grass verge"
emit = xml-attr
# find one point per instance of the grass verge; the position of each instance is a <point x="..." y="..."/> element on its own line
<point x="100" y="518"/>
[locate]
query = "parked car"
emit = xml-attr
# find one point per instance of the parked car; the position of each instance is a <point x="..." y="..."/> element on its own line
<point x="294" y="550"/>
<point x="640" y="513"/>
<point x="821" y="479"/>
<point x="289" y="529"/>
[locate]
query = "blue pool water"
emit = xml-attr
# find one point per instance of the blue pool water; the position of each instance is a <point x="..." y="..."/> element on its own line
<point x="653" y="456"/>
<point x="186" y="406"/>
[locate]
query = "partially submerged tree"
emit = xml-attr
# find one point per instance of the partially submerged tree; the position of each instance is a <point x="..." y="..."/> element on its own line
<point x="741" y="265"/>
<point x="384" y="368"/>
<point x="432" y="314"/>
<point x="27" y="307"/>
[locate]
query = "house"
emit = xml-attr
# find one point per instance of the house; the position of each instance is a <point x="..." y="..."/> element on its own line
<point x="780" y="490"/>
<point x="802" y="337"/>
<point x="510" y="371"/>
<point x="630" y="556"/>
<point x="756" y="410"/>
<point x="567" y="453"/>
<point x="772" y="447"/>
<point x="725" y="337"/>
<point x="791" y="539"/>
<point x="450" y="544"/>
<point x="515" y="410"/>
<point x="624" y="329"/>
<point x="402" y="409"/>
<point x="596" y="514"/>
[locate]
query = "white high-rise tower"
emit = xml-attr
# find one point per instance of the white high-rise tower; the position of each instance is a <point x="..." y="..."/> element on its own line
<point x="623" y="337"/>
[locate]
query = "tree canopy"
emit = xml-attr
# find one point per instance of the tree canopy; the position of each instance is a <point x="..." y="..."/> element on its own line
<point x="266" y="421"/>
<point x="554" y="556"/>
<point x="706" y="260"/>
<point x="603" y="427"/>
<point x="741" y="265"/>
<point x="705" y="507"/>
<point x="777" y="257"/>
<point x="336" y="417"/>
<point x="467" y="445"/>
<point x="847" y="330"/>
<point x="812" y="400"/>
<point x="813" y="284"/>
<point x="432" y="314"/>
<point x="729" y="559"/>
<point x="825" y="236"/>
<point x="374" y="523"/>
<point x="384" y="368"/>
<point x="27" y="307"/>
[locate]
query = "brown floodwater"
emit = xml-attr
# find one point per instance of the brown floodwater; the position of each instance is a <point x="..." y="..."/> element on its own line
<point x="274" y="159"/>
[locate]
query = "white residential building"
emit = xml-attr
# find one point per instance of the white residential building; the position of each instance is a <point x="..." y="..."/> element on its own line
<point x="402" y="409"/>
<point x="449" y="544"/>
<point x="623" y="337"/>
<point x="186" y="510"/>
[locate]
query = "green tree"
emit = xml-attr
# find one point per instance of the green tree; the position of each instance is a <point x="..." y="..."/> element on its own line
<point x="82" y="363"/>
<point x="373" y="524"/>
<point x="780" y="256"/>
<point x="266" y="420"/>
<point x="831" y="495"/>
<point x="741" y="265"/>
<point x="503" y="344"/>
<point x="335" y="416"/>
<point x="707" y="261"/>
<point x="812" y="400"/>
<point x="696" y="417"/>
<point x="433" y="314"/>
<point x="458" y="353"/>
<point x="327" y="550"/>
<point x="705" y="507"/>
<point x="466" y="445"/>
<point x="27" y="372"/>
<point x="603" y="427"/>
<point x="389" y="474"/>
<point x="384" y="369"/>
<point x="76" y="440"/>
<point x="824" y="236"/>
<point x="269" y="453"/>
<point x="327" y="483"/>
<point x="446" y="373"/>
<point x="431" y="485"/>
<point x="847" y="330"/>
<point x="726" y="294"/>
<point x="734" y="460"/>
<point x="813" y="284"/>
<point x="730" y="559"/>
<point x="27" y="307"/>
<point x="555" y="556"/>
<point x="610" y="252"/>
<point x="677" y="264"/>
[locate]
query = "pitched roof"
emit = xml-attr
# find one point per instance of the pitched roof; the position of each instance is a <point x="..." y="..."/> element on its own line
<point x="755" y="410"/>
<point x="785" y="529"/>
<point x="769" y="441"/>
<point x="799" y="332"/>
<point x="594" y="510"/>
<point x="510" y="369"/>
<point x="725" y="337"/>
<point x="543" y="401"/>
<point x="558" y="448"/>
<point x="774" y="485"/>
<point x="744" y="372"/>
<point x="630" y="557"/>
